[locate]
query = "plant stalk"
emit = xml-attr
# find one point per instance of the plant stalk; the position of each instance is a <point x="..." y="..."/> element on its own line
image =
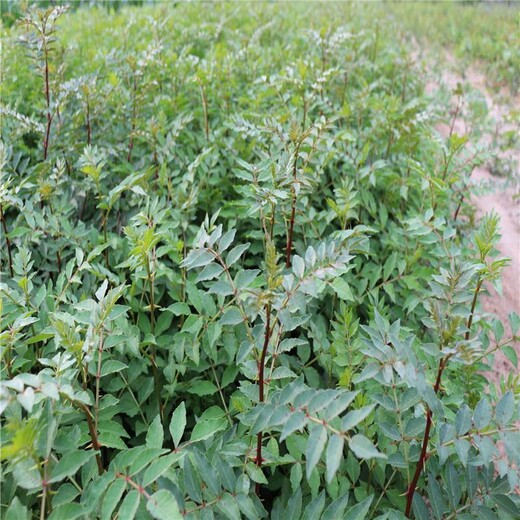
<point x="293" y="212"/>
<point x="205" y="109"/>
<point x="134" y="116"/>
<point x="89" y="130"/>
<point x="7" y="241"/>
<point x="93" y="437"/>
<point x="261" y="383"/>
<point x="473" y="305"/>
<point x="155" y="371"/>
<point x="48" y="103"/>
<point x="422" y="458"/>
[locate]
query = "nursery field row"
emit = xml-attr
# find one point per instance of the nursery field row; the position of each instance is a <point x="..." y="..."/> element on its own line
<point x="240" y="271"/>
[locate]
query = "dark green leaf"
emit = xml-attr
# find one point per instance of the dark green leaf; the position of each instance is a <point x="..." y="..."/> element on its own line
<point x="155" y="434"/>
<point x="359" y="511"/>
<point x="163" y="506"/>
<point x="178" y="423"/>
<point x="363" y="448"/>
<point x="69" y="464"/>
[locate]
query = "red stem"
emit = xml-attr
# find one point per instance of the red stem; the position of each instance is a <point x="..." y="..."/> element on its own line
<point x="89" y="131"/>
<point x="261" y="382"/>
<point x="48" y="101"/>
<point x="58" y="258"/>
<point x="473" y="304"/>
<point x="456" y="214"/>
<point x="293" y="214"/>
<point x="455" y="117"/>
<point x="134" y="115"/>
<point x="136" y="486"/>
<point x="290" y="236"/>
<point x="422" y="459"/>
<point x="93" y="437"/>
<point x="7" y="241"/>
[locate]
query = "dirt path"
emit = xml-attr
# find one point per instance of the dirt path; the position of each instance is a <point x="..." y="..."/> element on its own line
<point x="501" y="200"/>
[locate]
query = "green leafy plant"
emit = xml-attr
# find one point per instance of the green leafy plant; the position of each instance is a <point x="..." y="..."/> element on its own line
<point x="239" y="278"/>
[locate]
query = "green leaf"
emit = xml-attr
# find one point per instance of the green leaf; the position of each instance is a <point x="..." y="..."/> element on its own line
<point x="483" y="414"/>
<point x="359" y="511"/>
<point x="420" y="509"/>
<point x="296" y="476"/>
<point x="226" y="240"/>
<point x="202" y="388"/>
<point x="245" y="278"/>
<point x="112" y="498"/>
<point x="209" y="272"/>
<point x="178" y="309"/>
<point x="436" y="499"/>
<point x="18" y="232"/>
<point x="16" y="511"/>
<point x="334" y="455"/>
<point x="236" y="253"/>
<point x="231" y="316"/>
<point x="178" y="423"/>
<point x="192" y="481"/>
<point x="315" y="507"/>
<point x="229" y="508"/>
<point x="205" y="429"/>
<point x="247" y="507"/>
<point x="463" y="420"/>
<point x="354" y="417"/>
<point x="505" y="408"/>
<point x="255" y="473"/>
<point x="296" y="421"/>
<point x="163" y="506"/>
<point x="340" y="404"/>
<point x="69" y="464"/>
<point x="111" y="366"/>
<point x="453" y="486"/>
<point x="507" y="505"/>
<point x="363" y="448"/>
<point x="462" y="447"/>
<point x="514" y="321"/>
<point x="510" y="354"/>
<point x="343" y="290"/>
<point x="315" y="446"/>
<point x="336" y="508"/>
<point x="129" y="505"/>
<point x="159" y="466"/>
<point x="144" y="457"/>
<point x="197" y="258"/>
<point x="155" y="434"/>
<point x="69" y="511"/>
<point x="389" y="266"/>
<point x="298" y="266"/>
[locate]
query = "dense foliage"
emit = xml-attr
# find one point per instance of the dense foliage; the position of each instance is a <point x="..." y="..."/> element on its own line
<point x="487" y="33"/>
<point x="240" y="278"/>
